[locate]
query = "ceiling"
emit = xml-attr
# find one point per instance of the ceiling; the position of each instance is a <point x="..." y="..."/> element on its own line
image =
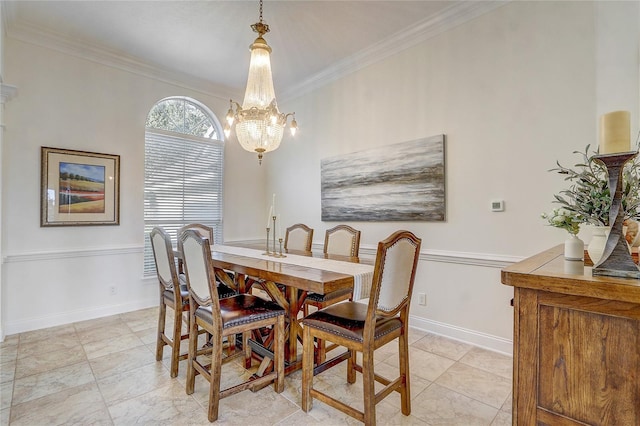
<point x="207" y="42"/>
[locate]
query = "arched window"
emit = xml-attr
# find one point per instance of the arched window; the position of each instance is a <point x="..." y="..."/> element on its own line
<point x="183" y="170"/>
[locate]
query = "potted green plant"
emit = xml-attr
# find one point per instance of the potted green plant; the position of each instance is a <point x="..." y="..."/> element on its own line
<point x="570" y="222"/>
<point x="588" y="198"/>
<point x="564" y="219"/>
<point x="588" y="195"/>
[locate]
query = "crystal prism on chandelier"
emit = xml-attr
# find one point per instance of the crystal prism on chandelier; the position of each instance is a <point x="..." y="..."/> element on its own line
<point x="259" y="125"/>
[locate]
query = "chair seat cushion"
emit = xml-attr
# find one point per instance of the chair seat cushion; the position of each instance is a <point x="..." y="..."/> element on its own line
<point x="168" y="294"/>
<point x="241" y="309"/>
<point x="319" y="298"/>
<point x="347" y="320"/>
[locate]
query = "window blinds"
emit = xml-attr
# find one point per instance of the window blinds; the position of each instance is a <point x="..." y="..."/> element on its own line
<point x="182" y="185"/>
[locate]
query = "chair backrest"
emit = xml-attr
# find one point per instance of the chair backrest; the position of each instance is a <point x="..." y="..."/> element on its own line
<point x="196" y="254"/>
<point x="342" y="240"/>
<point x="164" y="257"/>
<point x="298" y="237"/>
<point x="394" y="274"/>
<point x="203" y="230"/>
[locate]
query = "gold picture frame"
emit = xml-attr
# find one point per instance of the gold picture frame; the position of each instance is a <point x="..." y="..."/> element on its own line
<point x="79" y="188"/>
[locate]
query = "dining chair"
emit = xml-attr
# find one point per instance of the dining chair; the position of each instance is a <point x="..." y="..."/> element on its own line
<point x="239" y="314"/>
<point x="206" y="231"/>
<point x="366" y="327"/>
<point x="341" y="240"/>
<point x="173" y="294"/>
<point x="298" y="237"/>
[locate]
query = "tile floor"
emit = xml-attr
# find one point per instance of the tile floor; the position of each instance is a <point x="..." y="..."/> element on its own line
<point x="103" y="372"/>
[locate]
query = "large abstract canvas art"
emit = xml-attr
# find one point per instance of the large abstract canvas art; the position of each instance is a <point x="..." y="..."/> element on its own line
<point x="399" y="182"/>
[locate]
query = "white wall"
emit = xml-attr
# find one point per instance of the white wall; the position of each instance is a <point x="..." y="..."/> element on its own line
<point x="57" y="275"/>
<point x="2" y="102"/>
<point x="513" y="90"/>
<point x="616" y="57"/>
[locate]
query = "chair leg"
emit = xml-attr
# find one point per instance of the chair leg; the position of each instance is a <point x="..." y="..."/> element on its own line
<point x="247" y="349"/>
<point x="321" y="351"/>
<point x="307" y="369"/>
<point x="214" y="376"/>
<point x="351" y="362"/>
<point x="278" y="354"/>
<point x="193" y="350"/>
<point x="175" y="345"/>
<point x="405" y="390"/>
<point x="231" y="344"/>
<point x="368" y="381"/>
<point x="161" y="324"/>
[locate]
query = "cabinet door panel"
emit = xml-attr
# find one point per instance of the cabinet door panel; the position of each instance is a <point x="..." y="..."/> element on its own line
<point x="588" y="363"/>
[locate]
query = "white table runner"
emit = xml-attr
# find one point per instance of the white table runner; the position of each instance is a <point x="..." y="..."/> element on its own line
<point x="362" y="274"/>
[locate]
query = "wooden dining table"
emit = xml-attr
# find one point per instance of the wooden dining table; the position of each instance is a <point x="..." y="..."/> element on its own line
<point x="287" y="284"/>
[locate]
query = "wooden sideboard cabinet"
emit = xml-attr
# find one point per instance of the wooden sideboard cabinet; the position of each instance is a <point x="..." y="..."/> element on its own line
<point x="576" y="344"/>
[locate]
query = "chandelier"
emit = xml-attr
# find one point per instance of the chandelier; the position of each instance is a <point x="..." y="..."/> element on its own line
<point x="259" y="125"/>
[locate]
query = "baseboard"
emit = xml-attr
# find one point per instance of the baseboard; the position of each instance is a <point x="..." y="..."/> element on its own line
<point x="487" y="341"/>
<point x="69" y="317"/>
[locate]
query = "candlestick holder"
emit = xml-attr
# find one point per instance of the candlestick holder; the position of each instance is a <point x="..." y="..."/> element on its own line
<point x="274" y="217"/>
<point x="280" y="241"/>
<point x="267" y="251"/>
<point x="616" y="260"/>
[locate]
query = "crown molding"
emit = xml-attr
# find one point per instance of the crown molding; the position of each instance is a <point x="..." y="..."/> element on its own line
<point x="28" y="33"/>
<point x="457" y="14"/>
<point x="7" y="92"/>
<point x="7" y="14"/>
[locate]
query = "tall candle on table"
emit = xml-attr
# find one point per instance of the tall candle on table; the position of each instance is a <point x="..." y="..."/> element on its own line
<point x="273" y="205"/>
<point x="269" y="218"/>
<point x="615" y="132"/>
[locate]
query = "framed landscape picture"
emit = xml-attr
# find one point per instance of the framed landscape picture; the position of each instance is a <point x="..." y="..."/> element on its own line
<point x="79" y="188"/>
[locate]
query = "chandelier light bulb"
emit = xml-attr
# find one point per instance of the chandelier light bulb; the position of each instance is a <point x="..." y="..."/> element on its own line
<point x="230" y="117"/>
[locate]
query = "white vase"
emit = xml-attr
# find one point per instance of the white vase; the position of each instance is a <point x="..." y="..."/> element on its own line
<point x="573" y="248"/>
<point x="598" y="242"/>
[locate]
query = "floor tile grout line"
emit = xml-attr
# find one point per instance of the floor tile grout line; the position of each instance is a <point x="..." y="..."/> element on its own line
<point x="468" y="396"/>
<point x="141" y="319"/>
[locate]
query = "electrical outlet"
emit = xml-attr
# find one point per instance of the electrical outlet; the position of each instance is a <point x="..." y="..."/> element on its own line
<point x="113" y="290"/>
<point x="422" y="299"/>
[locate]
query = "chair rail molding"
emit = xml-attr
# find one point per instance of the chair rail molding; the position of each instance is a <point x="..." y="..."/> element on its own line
<point x="488" y="260"/>
<point x="73" y="253"/>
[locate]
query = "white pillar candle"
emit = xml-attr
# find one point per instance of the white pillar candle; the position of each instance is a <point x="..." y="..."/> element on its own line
<point x="615" y="132"/>
<point x="273" y="205"/>
<point x="269" y="217"/>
